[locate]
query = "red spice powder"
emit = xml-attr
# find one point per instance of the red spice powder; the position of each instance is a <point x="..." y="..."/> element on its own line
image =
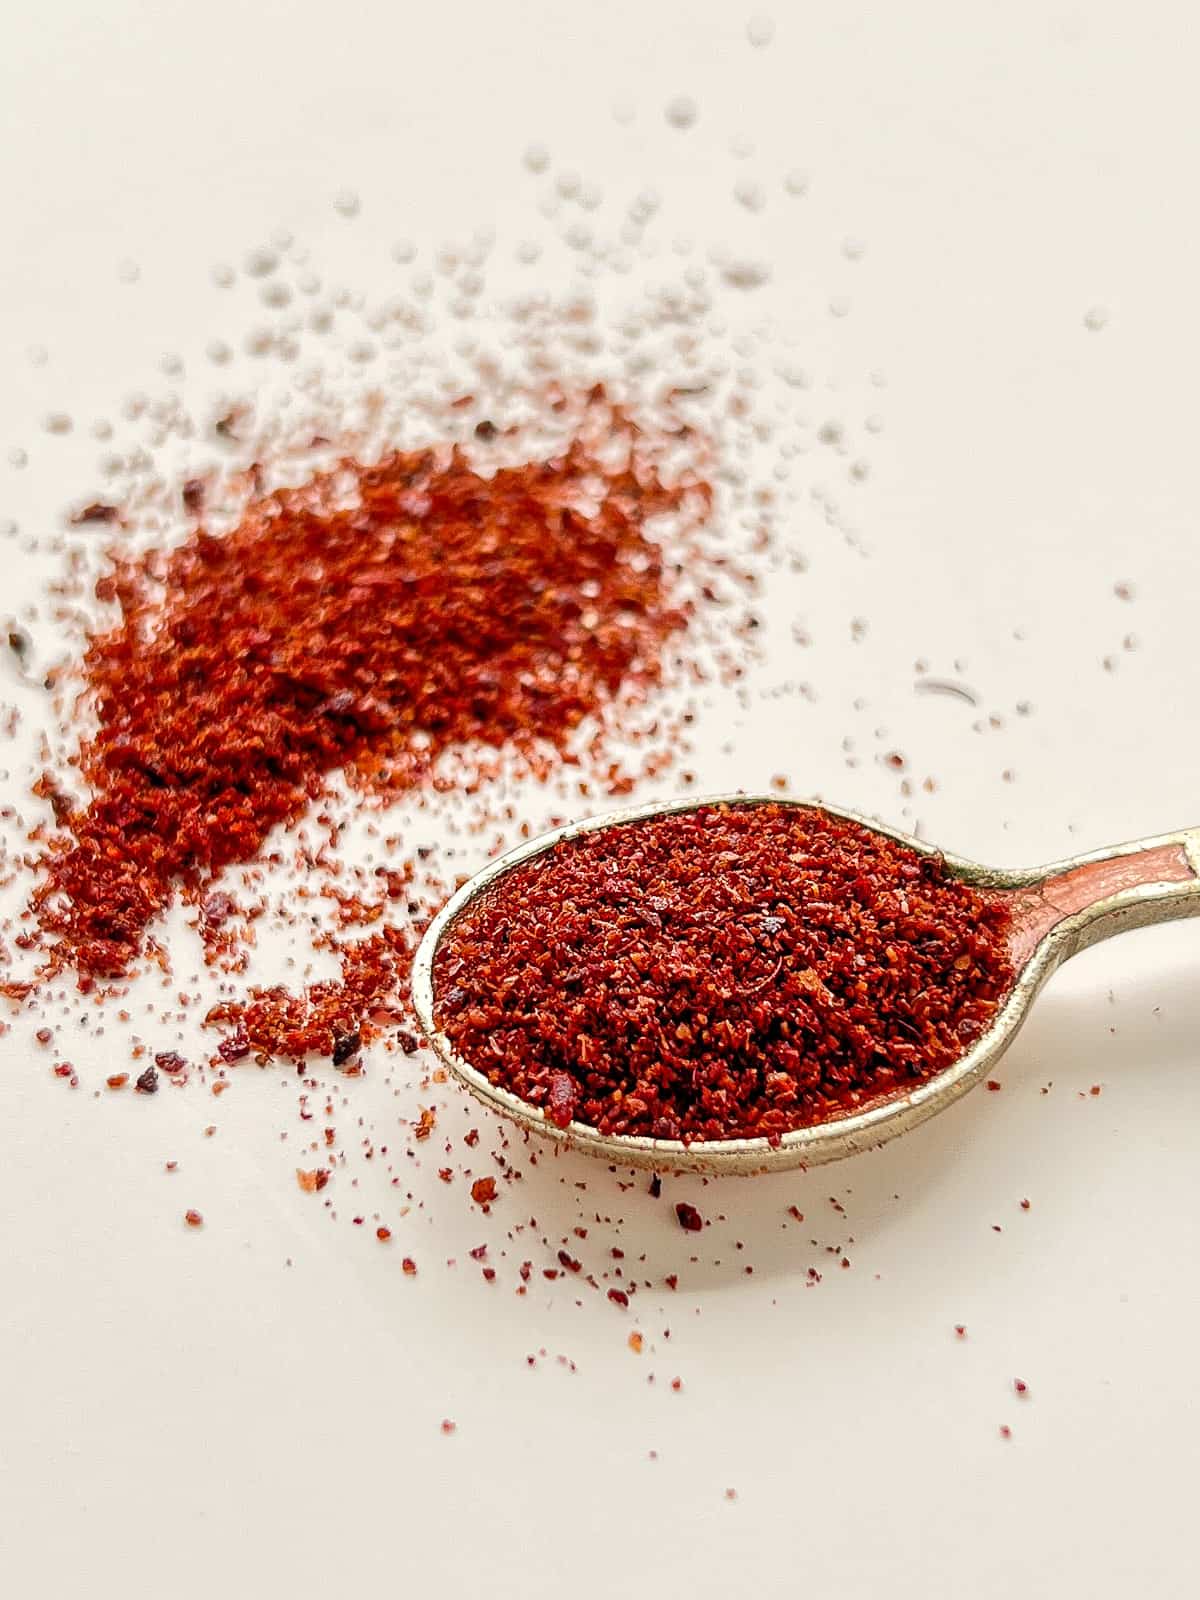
<point x="726" y="971"/>
<point x="334" y="1017"/>
<point x="372" y="618"/>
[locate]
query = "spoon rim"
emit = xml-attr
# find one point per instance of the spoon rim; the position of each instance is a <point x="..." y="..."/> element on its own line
<point x="818" y="1142"/>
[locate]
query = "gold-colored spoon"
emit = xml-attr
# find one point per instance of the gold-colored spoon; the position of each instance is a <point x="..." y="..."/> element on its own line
<point x="1058" y="910"/>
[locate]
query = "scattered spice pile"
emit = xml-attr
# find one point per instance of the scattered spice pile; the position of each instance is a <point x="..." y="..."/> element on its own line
<point x="730" y="971"/>
<point x="373" y="618"/>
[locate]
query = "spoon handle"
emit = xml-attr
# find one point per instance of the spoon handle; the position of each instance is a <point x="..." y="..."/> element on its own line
<point x="1074" y="904"/>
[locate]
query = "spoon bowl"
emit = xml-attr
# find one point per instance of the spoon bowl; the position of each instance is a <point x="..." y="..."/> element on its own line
<point x="1057" y="911"/>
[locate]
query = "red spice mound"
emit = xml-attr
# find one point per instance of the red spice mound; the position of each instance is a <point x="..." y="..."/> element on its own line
<point x="374" y="617"/>
<point x="730" y="971"/>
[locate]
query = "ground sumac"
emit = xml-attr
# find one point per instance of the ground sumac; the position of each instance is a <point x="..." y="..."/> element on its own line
<point x="719" y="972"/>
<point x="372" y="618"/>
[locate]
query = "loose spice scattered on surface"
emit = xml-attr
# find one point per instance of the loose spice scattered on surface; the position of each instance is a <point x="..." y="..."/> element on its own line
<point x="373" y="618"/>
<point x="277" y="1022"/>
<point x="725" y="971"/>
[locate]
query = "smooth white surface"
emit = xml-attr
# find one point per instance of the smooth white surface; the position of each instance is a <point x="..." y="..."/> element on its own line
<point x="185" y="1413"/>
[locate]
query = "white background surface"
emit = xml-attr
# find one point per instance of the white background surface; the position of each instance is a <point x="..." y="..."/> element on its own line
<point x="184" y="1413"/>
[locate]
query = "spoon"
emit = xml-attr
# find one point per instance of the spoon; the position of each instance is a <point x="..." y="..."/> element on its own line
<point x="1057" y="911"/>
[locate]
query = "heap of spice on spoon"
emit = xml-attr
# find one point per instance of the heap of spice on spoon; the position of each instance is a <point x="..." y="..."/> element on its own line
<point x="743" y="983"/>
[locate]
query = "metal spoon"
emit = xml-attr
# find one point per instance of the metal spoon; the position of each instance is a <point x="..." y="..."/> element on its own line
<point x="1058" y="910"/>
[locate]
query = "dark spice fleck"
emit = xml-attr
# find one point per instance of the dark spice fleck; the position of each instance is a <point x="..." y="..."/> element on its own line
<point x="217" y="908"/>
<point x="345" y="1045"/>
<point x="98" y="511"/>
<point x="147" y="1082"/>
<point x="689" y="1217"/>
